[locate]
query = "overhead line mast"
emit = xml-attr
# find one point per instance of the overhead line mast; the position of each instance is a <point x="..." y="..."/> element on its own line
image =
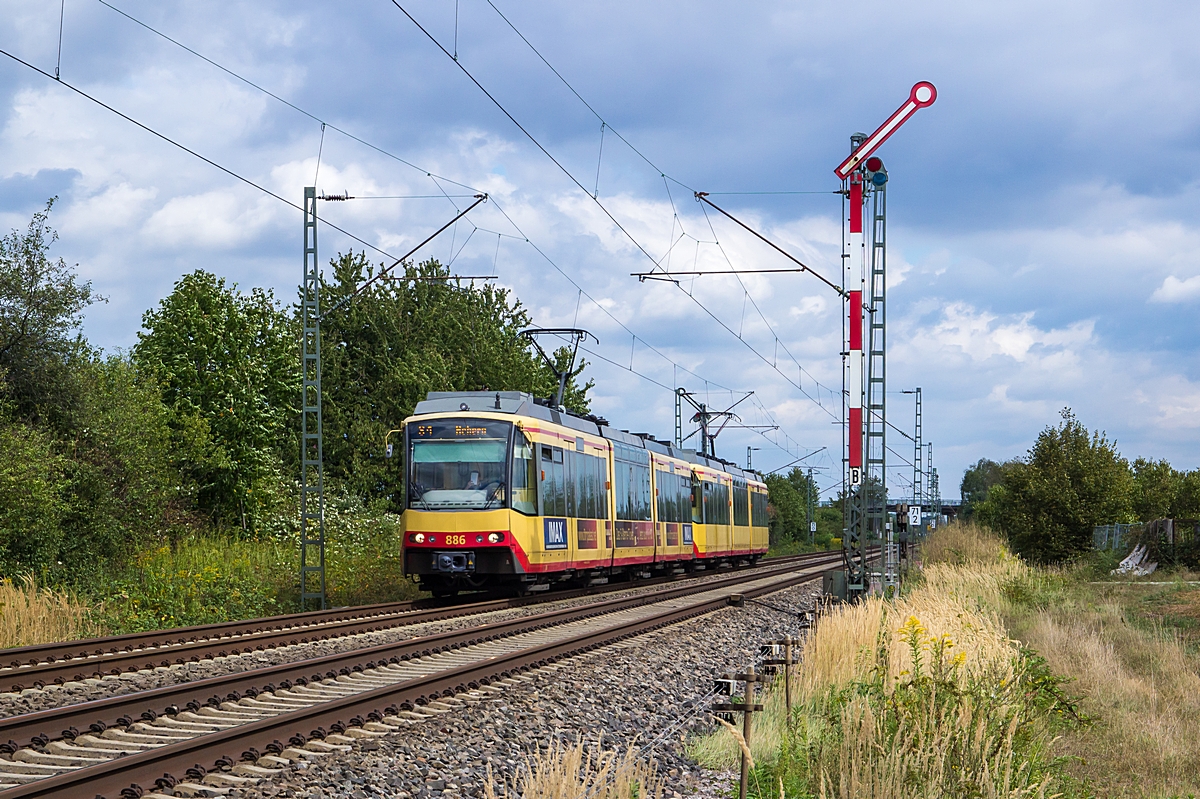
<point x="864" y="177"/>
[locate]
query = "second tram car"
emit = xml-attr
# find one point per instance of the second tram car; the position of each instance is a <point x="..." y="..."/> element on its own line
<point x="504" y="490"/>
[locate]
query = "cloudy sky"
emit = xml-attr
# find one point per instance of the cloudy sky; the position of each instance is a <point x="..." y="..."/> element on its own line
<point x="1042" y="227"/>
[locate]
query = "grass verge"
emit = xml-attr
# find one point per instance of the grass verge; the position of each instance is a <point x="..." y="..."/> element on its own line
<point x="572" y="772"/>
<point x="926" y="695"/>
<point x="32" y="615"/>
<point x="207" y="578"/>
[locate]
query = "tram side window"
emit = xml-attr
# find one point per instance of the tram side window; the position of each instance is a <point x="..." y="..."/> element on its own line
<point x="716" y="503"/>
<point x="674" y="498"/>
<point x="632" y="467"/>
<point x="585" y="486"/>
<point x="554" y="501"/>
<point x="741" y="504"/>
<point x="758" y="510"/>
<point x="570" y="487"/>
<point x="524" y="478"/>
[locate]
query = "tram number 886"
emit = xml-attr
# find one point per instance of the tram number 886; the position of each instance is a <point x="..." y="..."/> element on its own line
<point x="456" y="540"/>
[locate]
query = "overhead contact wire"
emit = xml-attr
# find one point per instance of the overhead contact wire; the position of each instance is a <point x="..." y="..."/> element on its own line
<point x="187" y="149"/>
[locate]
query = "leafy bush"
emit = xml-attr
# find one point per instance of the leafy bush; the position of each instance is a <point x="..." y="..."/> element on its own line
<point x="209" y="578"/>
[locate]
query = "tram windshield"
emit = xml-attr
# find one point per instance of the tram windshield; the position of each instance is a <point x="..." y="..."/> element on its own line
<point x="458" y="464"/>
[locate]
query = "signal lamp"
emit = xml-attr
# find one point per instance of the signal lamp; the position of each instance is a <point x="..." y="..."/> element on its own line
<point x="495" y="538"/>
<point x="879" y="178"/>
<point x="874" y="163"/>
<point x="418" y="538"/>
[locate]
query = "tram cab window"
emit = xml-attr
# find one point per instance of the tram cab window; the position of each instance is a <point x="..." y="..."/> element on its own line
<point x="458" y="464"/>
<point x="524" y="476"/>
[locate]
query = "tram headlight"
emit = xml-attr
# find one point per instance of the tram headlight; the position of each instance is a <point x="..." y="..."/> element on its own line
<point x="495" y="538"/>
<point x="418" y="538"/>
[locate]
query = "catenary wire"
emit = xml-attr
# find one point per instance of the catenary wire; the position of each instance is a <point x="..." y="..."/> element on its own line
<point x="523" y="129"/>
<point x="271" y="94"/>
<point x="187" y="149"/>
<point x="583" y="188"/>
<point x="435" y="177"/>
<point x="399" y="159"/>
<point x="605" y="124"/>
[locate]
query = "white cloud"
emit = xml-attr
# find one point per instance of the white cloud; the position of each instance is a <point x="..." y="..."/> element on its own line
<point x="1175" y="290"/>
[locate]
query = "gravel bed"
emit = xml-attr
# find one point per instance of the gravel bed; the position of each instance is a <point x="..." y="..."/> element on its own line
<point x="627" y="694"/>
<point x="52" y="696"/>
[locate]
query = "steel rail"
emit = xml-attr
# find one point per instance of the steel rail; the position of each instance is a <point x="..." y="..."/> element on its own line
<point x="40" y="726"/>
<point x="76" y="660"/>
<point x="110" y="778"/>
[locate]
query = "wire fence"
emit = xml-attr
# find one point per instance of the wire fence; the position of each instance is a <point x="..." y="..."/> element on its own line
<point x="1113" y="537"/>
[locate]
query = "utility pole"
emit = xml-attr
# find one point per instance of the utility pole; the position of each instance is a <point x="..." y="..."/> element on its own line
<point x="930" y="479"/>
<point x="811" y="497"/>
<point x="918" y="471"/>
<point x="312" y="453"/>
<point x="750" y="457"/>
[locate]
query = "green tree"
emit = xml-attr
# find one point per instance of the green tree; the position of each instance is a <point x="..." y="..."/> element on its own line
<point x="227" y="365"/>
<point x="785" y="508"/>
<point x="977" y="481"/>
<point x="399" y="339"/>
<point x="32" y="484"/>
<point x="1187" y="499"/>
<point x="122" y="492"/>
<point x="788" y="506"/>
<point x="1155" y="488"/>
<point x="41" y="300"/>
<point x="1070" y="481"/>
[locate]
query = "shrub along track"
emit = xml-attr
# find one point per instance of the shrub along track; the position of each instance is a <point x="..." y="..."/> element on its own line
<point x="59" y="663"/>
<point x="217" y="730"/>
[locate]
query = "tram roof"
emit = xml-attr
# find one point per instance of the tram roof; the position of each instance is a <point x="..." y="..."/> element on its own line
<point x="520" y="403"/>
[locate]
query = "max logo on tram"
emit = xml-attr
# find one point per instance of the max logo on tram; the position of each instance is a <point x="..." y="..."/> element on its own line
<point x="503" y="490"/>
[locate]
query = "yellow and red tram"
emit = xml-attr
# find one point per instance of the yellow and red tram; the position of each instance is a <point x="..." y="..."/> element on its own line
<point x="504" y="490"/>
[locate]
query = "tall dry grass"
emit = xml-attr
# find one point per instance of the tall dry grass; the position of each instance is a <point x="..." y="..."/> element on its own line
<point x="575" y="772"/>
<point x="962" y="543"/>
<point x="1141" y="685"/>
<point x="925" y="695"/>
<point x="32" y="615"/>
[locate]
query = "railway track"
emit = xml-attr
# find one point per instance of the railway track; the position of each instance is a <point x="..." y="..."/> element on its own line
<point x="58" y="663"/>
<point x="214" y="734"/>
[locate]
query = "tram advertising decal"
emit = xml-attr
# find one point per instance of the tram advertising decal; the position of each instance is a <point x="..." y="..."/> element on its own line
<point x="635" y="534"/>
<point x="586" y="536"/>
<point x="687" y="534"/>
<point x="672" y="534"/>
<point x="555" y="533"/>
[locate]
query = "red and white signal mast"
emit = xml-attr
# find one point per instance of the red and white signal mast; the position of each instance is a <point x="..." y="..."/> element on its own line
<point x="864" y="180"/>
